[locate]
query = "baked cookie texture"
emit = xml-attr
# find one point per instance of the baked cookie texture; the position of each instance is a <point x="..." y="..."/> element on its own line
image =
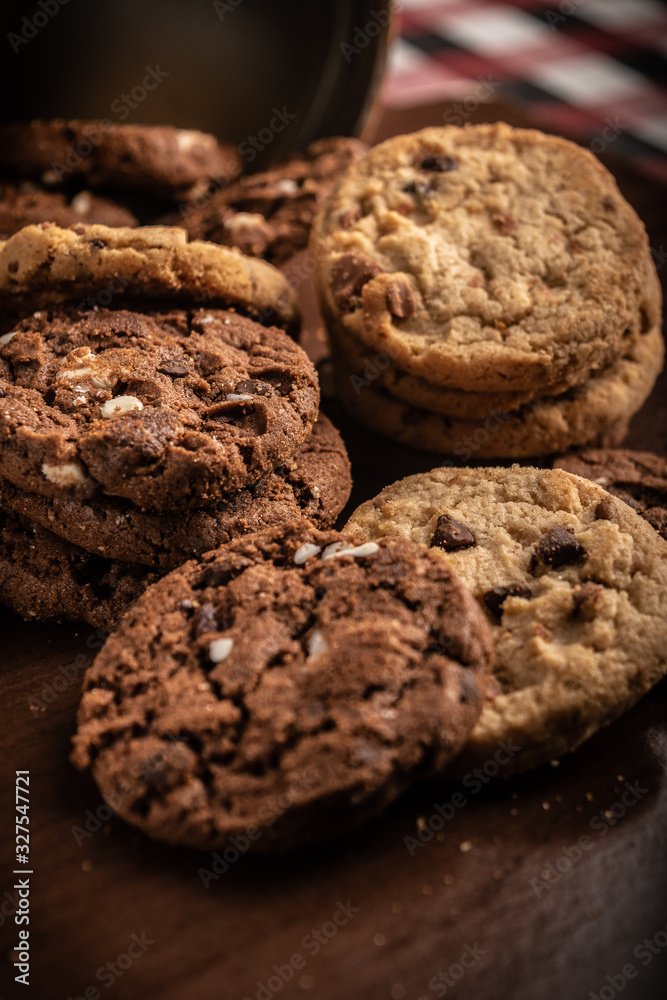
<point x="596" y="411"/>
<point x="639" y="478"/>
<point x="573" y="583"/>
<point x="46" y="265"/>
<point x="313" y="484"/>
<point x="153" y="159"/>
<point x="370" y="368"/>
<point x="170" y="410"/>
<point x="44" y="578"/>
<point x="26" y="204"/>
<point x="270" y="214"/>
<point x="483" y="258"/>
<point x="292" y="682"/>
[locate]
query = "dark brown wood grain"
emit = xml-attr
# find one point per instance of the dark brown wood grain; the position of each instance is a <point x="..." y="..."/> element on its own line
<point x="470" y="890"/>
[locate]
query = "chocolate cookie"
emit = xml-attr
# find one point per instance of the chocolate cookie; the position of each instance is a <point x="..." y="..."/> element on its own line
<point x="292" y="683"/>
<point x="43" y="577"/>
<point x="639" y="478"/>
<point x="573" y="584"/>
<point x="269" y="214"/>
<point x="314" y="484"/>
<point x="155" y="159"/>
<point x="45" y="265"/>
<point x="170" y="410"/>
<point x="483" y="258"/>
<point x="24" y="204"/>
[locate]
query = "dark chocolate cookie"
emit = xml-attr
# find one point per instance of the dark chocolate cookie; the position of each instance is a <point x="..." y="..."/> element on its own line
<point x="637" y="477"/>
<point x="43" y="577"/>
<point x="155" y="159"/>
<point x="314" y="484"/>
<point x="292" y="683"/>
<point x="25" y="204"/>
<point x="170" y="410"/>
<point x="269" y="214"/>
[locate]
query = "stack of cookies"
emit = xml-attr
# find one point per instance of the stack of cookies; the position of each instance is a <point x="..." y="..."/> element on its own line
<point x="102" y="172"/>
<point x="137" y="433"/>
<point x="487" y="292"/>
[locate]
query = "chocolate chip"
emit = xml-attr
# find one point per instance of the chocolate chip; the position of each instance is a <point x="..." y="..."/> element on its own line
<point x="451" y="536"/>
<point x="174" y="368"/>
<point x="556" y="548"/>
<point x="98" y="244"/>
<point x="505" y="223"/>
<point x="608" y="203"/>
<point x="13" y="266"/>
<point x="604" y="510"/>
<point x="255" y="387"/>
<point x="349" y="274"/>
<point x="349" y="217"/>
<point x="495" y="598"/>
<point x="379" y="502"/>
<point x="205" y="620"/>
<point x="441" y="164"/>
<point x="401" y="300"/>
<point x="586" y="600"/>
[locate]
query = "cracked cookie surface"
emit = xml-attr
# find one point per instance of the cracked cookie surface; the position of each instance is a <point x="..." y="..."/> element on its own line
<point x="292" y="681"/>
<point x="573" y="583"/>
<point x="314" y="484"/>
<point x="481" y="258"/>
<point x="169" y="410"/>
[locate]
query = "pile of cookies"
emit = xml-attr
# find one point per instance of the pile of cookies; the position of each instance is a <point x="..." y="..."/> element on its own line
<point x="139" y="434"/>
<point x="103" y="172"/>
<point x="487" y="292"/>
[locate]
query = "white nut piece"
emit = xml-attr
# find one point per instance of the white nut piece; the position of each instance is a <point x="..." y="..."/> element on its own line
<point x="234" y="397"/>
<point x="220" y="649"/>
<point x="316" y="644"/>
<point x="305" y="552"/>
<point x="6" y="337"/>
<point x="119" y="405"/>
<point x="82" y="202"/>
<point x="67" y="474"/>
<point x="104" y="379"/>
<point x="338" y="549"/>
<point x="287" y="186"/>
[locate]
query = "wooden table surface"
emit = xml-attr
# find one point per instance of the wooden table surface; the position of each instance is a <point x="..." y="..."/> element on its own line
<point x="542" y="887"/>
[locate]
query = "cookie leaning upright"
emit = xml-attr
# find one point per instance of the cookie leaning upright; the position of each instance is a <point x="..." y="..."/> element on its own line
<point x="292" y="681"/>
<point x="481" y="258"/>
<point x="573" y="582"/>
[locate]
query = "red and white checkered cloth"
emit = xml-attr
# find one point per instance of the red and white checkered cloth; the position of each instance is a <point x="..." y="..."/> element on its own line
<point x="594" y="69"/>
